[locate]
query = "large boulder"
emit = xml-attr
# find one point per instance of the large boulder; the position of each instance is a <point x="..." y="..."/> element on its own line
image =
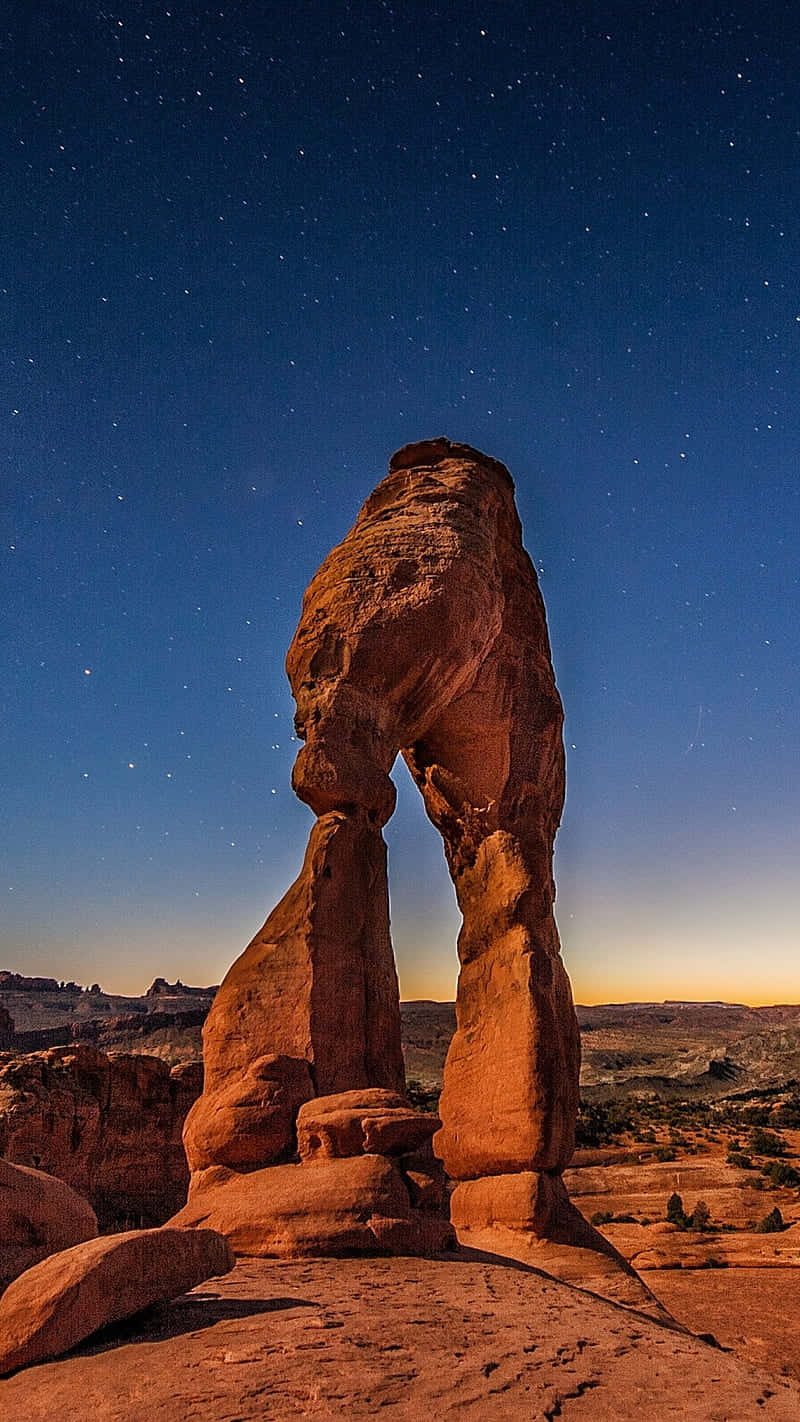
<point x="39" y="1215"/>
<point x="356" y="1205"/>
<point x="63" y="1300"/>
<point x="251" y="1121"/>
<point x="109" y="1125"/>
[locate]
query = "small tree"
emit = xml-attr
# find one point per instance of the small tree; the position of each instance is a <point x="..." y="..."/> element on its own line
<point x="701" y="1215"/>
<point x="771" y="1223"/>
<point x="675" y="1213"/>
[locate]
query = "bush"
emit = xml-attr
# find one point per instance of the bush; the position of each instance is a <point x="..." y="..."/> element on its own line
<point x="767" y="1143"/>
<point x="601" y="1122"/>
<point x="422" y="1098"/>
<point x="701" y="1215"/>
<point x="601" y="1217"/>
<point x="675" y="1211"/>
<point x="780" y="1173"/>
<point x="771" y="1223"/>
<point x="789" y="1113"/>
<point x="735" y="1157"/>
<point x="665" y="1153"/>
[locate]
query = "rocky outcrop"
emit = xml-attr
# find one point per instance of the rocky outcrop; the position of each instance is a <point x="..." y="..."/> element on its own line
<point x="39" y="1215"/>
<point x="367" y="1183"/>
<point x="110" y="1126"/>
<point x="69" y="1296"/>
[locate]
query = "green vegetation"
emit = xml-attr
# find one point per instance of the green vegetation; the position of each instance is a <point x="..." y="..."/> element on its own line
<point x="675" y="1211"/>
<point x="701" y="1216"/>
<point x="767" y="1143"/>
<point x="771" y="1223"/>
<point x="422" y="1098"/>
<point x="781" y="1174"/>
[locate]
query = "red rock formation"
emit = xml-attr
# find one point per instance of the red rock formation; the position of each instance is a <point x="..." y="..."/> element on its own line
<point x="60" y="1302"/>
<point x="424" y="633"/>
<point x="39" y="1215"/>
<point x="110" y="1126"/>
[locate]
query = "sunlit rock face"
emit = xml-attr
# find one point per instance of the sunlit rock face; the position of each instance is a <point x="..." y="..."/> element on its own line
<point x="423" y="633"/>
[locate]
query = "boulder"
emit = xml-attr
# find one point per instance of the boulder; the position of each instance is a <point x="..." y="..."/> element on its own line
<point x="251" y="1121"/>
<point x="362" y="1122"/>
<point x="39" y="1215"/>
<point x="358" y="1205"/>
<point x="63" y="1300"/>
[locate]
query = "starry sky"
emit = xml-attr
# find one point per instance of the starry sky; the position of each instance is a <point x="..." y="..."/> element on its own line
<point x="250" y="249"/>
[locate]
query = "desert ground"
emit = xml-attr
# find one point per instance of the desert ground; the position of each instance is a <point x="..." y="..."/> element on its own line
<point x="681" y="1164"/>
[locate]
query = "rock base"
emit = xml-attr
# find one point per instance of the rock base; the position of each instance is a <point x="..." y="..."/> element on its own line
<point x="530" y="1217"/>
<point x="328" y="1207"/>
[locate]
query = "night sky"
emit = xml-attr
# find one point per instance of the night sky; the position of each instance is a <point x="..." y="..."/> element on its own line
<point x="248" y="251"/>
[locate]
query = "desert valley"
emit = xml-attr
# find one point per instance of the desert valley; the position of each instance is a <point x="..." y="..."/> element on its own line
<point x="695" y="1100"/>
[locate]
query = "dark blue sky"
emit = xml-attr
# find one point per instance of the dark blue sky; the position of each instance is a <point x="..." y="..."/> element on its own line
<point x="247" y="252"/>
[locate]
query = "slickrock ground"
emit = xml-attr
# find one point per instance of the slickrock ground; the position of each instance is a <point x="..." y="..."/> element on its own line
<point x="399" y="1338"/>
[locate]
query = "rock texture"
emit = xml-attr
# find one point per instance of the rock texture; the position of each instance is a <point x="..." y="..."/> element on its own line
<point x="423" y="633"/>
<point x="68" y="1297"/>
<point x="401" y="1339"/>
<point x="110" y="1126"/>
<point x="39" y="1215"/>
<point x="352" y="1205"/>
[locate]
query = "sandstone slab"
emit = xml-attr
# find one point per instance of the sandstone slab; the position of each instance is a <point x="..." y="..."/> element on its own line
<point x="63" y="1300"/>
<point x="328" y="1207"/>
<point x="39" y="1215"/>
<point x="250" y="1121"/>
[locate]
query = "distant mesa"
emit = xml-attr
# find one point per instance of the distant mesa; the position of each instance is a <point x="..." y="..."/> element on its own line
<point x="161" y="988"/>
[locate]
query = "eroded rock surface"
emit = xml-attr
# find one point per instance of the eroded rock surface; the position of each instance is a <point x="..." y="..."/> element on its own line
<point x="110" y="1126"/>
<point x="39" y="1215"/>
<point x="69" y="1296"/>
<point x="403" y="1339"/>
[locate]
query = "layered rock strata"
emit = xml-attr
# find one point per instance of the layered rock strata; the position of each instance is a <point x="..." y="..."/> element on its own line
<point x="39" y="1215"/>
<point x="110" y="1126"/>
<point x="423" y="633"/>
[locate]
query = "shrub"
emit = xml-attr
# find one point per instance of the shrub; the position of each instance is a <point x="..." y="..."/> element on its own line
<point x="767" y="1143"/>
<point x="771" y="1223"/>
<point x="701" y="1215"/>
<point x="601" y="1122"/>
<point x="780" y="1173"/>
<point x="665" y="1153"/>
<point x="601" y="1217"/>
<point x="675" y="1211"/>
<point x="735" y="1157"/>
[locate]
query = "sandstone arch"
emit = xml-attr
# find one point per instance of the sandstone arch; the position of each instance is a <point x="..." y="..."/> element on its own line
<point x="423" y="633"/>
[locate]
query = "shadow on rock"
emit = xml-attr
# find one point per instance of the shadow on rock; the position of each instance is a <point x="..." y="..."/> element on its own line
<point x="187" y="1315"/>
